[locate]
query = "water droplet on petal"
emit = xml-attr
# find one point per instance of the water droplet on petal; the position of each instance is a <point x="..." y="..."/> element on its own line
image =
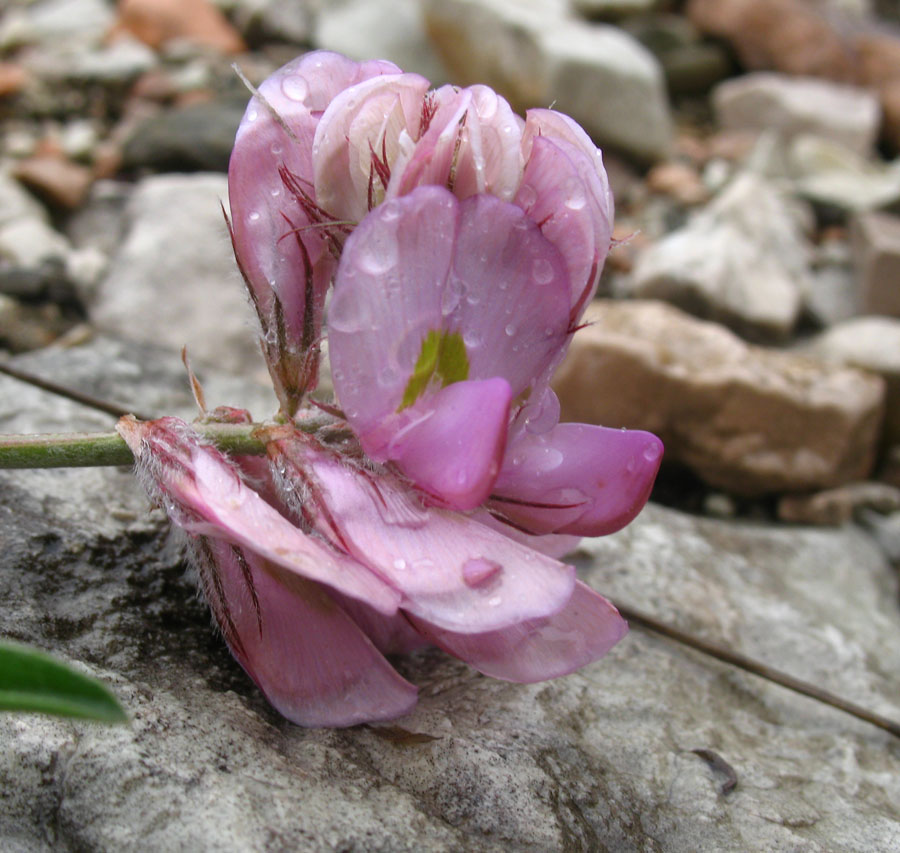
<point x="480" y="571"/>
<point x="496" y="601"/>
<point x="542" y="271"/>
<point x="400" y="564"/>
<point x="510" y="330"/>
<point x="295" y="87"/>
<point x="276" y="148"/>
<point x="575" y="194"/>
<point x="252" y="115"/>
<point x="379" y="252"/>
<point x="389" y="212"/>
<point x="472" y="338"/>
<point x="652" y="451"/>
<point x="253" y="216"/>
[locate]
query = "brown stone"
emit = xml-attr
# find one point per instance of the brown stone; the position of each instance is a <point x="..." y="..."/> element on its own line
<point x="876" y="253"/>
<point x="786" y="35"/>
<point x="678" y="181"/>
<point x="57" y="179"/>
<point x="12" y="78"/>
<point x="156" y="22"/>
<point x="746" y="419"/>
<point x="839" y="505"/>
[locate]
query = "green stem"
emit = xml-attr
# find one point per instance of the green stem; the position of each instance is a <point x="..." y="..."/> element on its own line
<point x="80" y="450"/>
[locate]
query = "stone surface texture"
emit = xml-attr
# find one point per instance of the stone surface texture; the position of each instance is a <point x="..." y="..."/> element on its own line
<point x="871" y="343"/>
<point x="795" y="105"/>
<point x="746" y="419"/>
<point x="742" y="260"/>
<point x="173" y="280"/>
<point x="535" y="55"/>
<point x="603" y="759"/>
<point x="876" y="247"/>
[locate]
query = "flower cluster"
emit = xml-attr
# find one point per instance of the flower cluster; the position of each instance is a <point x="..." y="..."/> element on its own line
<point x="460" y="244"/>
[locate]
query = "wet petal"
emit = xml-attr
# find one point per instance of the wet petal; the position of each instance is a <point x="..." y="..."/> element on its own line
<point x="537" y="649"/>
<point x="489" y="159"/>
<point x="453" y="572"/>
<point x="366" y="120"/>
<point x="576" y="479"/>
<point x="309" y="658"/>
<point x="206" y="496"/>
<point x="451" y="444"/>
<point x="426" y="264"/>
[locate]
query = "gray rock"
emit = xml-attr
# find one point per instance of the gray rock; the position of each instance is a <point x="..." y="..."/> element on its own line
<point x="835" y="177"/>
<point x="742" y="260"/>
<point x="832" y="296"/>
<point x="16" y="203"/>
<point x="799" y="105"/>
<point x="613" y="10"/>
<point x="30" y="242"/>
<point x="198" y="137"/>
<point x="380" y="29"/>
<point x="601" y="759"/>
<point x="174" y="280"/>
<point x="266" y="21"/>
<point x="535" y="55"/>
<point x="55" y="21"/>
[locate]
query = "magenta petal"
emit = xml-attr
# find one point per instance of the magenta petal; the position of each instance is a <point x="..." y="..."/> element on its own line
<point x="453" y="441"/>
<point x="206" y="496"/>
<point x="309" y="658"/>
<point x="537" y="649"/>
<point x="577" y="479"/>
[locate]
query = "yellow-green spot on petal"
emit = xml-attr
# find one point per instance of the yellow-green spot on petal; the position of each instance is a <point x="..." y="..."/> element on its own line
<point x="442" y="359"/>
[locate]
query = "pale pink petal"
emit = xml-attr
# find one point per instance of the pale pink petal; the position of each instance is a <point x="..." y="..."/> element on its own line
<point x="309" y="658"/>
<point x="391" y="635"/>
<point x="374" y="118"/>
<point x="387" y="297"/>
<point x="430" y="159"/>
<point x="490" y="158"/>
<point x="425" y="262"/>
<point x="537" y="649"/>
<point x="204" y="494"/>
<point x="553" y="194"/>
<point x="453" y="572"/>
<point x="279" y="245"/>
<point x="555" y="545"/>
<point x="576" y="479"/>
<point x="451" y="443"/>
<point x="509" y="293"/>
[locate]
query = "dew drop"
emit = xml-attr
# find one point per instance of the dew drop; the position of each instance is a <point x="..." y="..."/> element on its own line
<point x="496" y="601"/>
<point x="253" y="216"/>
<point x="575" y="195"/>
<point x="510" y="330"/>
<point x="472" y="338"/>
<point x="400" y="564"/>
<point x="542" y="271"/>
<point x="389" y="212"/>
<point x="252" y="115"/>
<point x="295" y="87"/>
<point x="480" y="571"/>
<point x="453" y="292"/>
<point x="276" y="148"/>
<point x="379" y="252"/>
<point x="652" y="451"/>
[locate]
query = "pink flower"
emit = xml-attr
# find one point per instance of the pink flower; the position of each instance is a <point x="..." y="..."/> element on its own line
<point x="324" y="564"/>
<point x="326" y="140"/>
<point x="462" y="243"/>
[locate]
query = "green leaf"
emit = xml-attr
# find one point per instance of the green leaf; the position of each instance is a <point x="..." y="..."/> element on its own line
<point x="33" y="681"/>
<point x="443" y="357"/>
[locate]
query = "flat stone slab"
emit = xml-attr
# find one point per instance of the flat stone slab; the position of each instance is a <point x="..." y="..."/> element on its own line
<point x="603" y="759"/>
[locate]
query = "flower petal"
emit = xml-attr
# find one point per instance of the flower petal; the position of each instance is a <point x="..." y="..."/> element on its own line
<point x="450" y="444"/>
<point x="426" y="264"/>
<point x="576" y="479"/>
<point x="206" y="496"/>
<point x="537" y="649"/>
<point x="309" y="658"/>
<point x="363" y="122"/>
<point x="453" y="572"/>
<point x="489" y="159"/>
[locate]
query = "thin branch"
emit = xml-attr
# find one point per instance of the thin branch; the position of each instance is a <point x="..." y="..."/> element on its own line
<point x="68" y="393"/>
<point x="757" y="668"/>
